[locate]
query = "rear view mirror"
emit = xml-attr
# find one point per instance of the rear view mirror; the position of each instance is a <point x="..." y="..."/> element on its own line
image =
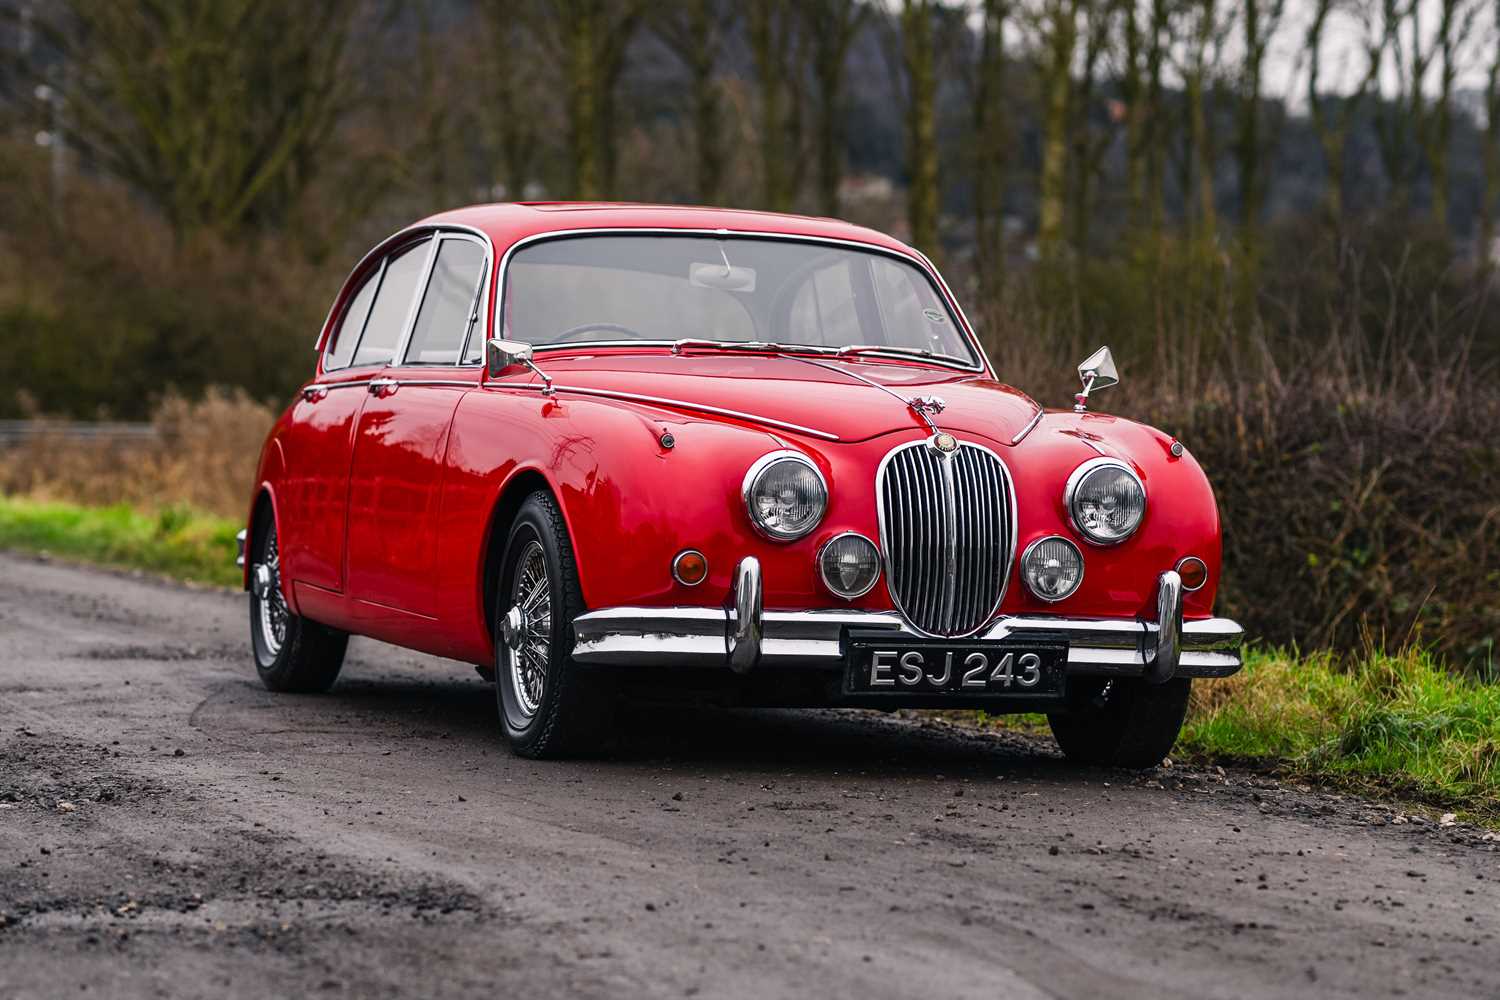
<point x="724" y="277"/>
<point x="503" y="354"/>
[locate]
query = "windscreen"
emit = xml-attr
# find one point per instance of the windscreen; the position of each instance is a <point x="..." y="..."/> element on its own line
<point x="605" y="289"/>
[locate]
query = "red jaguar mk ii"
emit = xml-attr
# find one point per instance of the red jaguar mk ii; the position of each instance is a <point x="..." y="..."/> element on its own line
<point x="601" y="449"/>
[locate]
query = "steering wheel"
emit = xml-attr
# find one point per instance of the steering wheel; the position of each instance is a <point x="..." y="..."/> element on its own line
<point x="573" y="333"/>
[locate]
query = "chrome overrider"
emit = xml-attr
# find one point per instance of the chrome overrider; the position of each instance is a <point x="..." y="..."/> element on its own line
<point x="742" y="635"/>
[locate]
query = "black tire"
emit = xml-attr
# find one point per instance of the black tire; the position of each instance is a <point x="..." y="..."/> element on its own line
<point x="571" y="712"/>
<point x="296" y="654"/>
<point x="1124" y="722"/>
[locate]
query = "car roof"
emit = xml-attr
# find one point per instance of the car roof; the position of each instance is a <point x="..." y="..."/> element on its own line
<point x="509" y="222"/>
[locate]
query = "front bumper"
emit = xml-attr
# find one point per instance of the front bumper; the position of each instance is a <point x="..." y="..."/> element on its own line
<point x="743" y="636"/>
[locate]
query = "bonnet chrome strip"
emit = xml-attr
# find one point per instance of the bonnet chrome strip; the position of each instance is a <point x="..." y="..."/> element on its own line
<point x="1020" y="435"/>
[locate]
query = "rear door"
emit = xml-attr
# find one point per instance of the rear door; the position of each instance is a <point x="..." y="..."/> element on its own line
<point x="395" y="480"/>
<point x="314" y="498"/>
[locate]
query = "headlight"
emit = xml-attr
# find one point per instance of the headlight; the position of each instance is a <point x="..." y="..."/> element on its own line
<point x="785" y="496"/>
<point x="850" y="565"/>
<point x="1105" y="500"/>
<point x="1052" y="568"/>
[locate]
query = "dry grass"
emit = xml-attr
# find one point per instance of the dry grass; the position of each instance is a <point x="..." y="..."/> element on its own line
<point x="202" y="458"/>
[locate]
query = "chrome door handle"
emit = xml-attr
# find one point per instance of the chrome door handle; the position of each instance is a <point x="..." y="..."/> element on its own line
<point x="383" y="386"/>
<point x="313" y="393"/>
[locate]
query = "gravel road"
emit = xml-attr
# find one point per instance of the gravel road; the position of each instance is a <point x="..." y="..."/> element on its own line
<point x="169" y="828"/>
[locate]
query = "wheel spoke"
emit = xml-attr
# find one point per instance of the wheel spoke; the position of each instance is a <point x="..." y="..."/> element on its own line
<point x="531" y="596"/>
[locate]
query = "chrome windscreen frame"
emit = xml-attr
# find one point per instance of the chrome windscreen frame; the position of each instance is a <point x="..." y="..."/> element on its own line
<point x="971" y="340"/>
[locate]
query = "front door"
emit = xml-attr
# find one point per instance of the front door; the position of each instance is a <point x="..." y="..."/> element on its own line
<point x="395" y="480"/>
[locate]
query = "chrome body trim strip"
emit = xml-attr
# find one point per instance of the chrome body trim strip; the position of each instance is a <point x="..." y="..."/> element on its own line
<point x="1021" y="434"/>
<point x="814" y="640"/>
<point x="679" y="404"/>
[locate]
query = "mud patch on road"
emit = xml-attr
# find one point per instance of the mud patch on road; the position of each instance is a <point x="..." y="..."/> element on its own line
<point x="62" y="775"/>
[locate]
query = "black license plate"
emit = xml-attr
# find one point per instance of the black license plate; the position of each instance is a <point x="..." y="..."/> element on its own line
<point x="996" y="669"/>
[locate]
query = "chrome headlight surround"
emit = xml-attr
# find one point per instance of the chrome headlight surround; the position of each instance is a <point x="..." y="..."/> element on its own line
<point x="757" y="472"/>
<point x="1031" y="550"/>
<point x="849" y="595"/>
<point x="1076" y="481"/>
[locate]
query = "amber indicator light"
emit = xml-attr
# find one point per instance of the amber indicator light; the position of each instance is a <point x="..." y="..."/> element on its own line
<point x="690" y="568"/>
<point x="1194" y="573"/>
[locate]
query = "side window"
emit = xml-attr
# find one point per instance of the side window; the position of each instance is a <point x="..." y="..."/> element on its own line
<point x="443" y="319"/>
<point x="823" y="311"/>
<point x="392" y="303"/>
<point x="346" y="334"/>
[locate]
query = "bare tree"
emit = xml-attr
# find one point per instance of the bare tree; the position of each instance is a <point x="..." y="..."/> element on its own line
<point x="695" y="31"/>
<point x="991" y="139"/>
<point x="217" y="111"/>
<point x="512" y="71"/>
<point x="773" y="48"/>
<point x="1056" y="23"/>
<point x="1199" y="65"/>
<point x="1259" y="21"/>
<point x="1089" y="142"/>
<point x="917" y="61"/>
<point x="589" y="39"/>
<point x="1333" y="115"/>
<point x="831" y="26"/>
<point x="1455" y="22"/>
<point x="1490" y="206"/>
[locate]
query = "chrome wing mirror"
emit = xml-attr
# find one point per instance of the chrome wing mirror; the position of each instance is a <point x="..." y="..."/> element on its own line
<point x="502" y="354"/>
<point x="1097" y="372"/>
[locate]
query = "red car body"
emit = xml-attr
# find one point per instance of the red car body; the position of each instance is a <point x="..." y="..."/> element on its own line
<point x="392" y="487"/>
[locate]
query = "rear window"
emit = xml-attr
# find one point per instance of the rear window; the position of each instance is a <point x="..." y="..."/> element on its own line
<point x="346" y="335"/>
<point x="392" y="305"/>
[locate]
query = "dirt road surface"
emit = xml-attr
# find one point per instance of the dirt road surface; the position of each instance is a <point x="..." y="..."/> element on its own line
<point x="168" y="828"/>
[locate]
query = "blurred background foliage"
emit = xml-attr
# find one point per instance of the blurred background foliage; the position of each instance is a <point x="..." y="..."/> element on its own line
<point x="1281" y="214"/>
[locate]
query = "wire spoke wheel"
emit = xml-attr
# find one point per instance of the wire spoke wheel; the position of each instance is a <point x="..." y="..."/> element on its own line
<point x="531" y="648"/>
<point x="271" y="602"/>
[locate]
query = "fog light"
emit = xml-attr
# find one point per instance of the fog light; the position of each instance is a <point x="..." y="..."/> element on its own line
<point x="850" y="565"/>
<point x="1193" y="571"/>
<point x="690" y="568"/>
<point x="1052" y="568"/>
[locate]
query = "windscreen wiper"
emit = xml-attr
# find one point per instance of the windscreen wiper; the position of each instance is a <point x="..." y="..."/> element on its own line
<point x="915" y="352"/>
<point x="759" y="346"/>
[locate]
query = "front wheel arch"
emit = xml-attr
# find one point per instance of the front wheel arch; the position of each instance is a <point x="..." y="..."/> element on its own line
<point x="262" y="511"/>
<point x="502" y="517"/>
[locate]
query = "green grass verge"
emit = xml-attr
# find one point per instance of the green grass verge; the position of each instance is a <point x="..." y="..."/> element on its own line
<point x="1400" y="725"/>
<point x="173" y="541"/>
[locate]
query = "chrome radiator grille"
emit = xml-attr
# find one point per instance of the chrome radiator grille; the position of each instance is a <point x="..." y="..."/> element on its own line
<point x="947" y="532"/>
